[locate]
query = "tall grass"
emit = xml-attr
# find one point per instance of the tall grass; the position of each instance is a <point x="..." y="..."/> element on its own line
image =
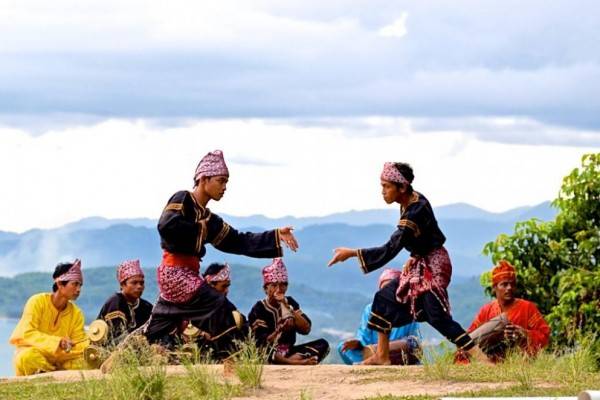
<point x="249" y="362"/>
<point x="438" y="361"/>
<point x="206" y="385"/>
<point x="518" y="367"/>
<point x="139" y="373"/>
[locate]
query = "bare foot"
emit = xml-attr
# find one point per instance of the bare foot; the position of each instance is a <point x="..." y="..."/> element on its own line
<point x="375" y="359"/>
<point x="310" y="361"/>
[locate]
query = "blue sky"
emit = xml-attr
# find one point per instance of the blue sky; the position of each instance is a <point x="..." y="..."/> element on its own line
<point x="473" y="93"/>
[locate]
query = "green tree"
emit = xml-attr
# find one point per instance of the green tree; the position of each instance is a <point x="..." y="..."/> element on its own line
<point x="557" y="261"/>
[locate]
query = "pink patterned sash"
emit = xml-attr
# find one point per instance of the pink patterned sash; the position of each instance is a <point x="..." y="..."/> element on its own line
<point x="425" y="274"/>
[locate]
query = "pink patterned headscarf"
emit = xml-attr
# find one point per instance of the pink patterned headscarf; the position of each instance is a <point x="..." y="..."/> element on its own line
<point x="387" y="275"/>
<point x="223" y="275"/>
<point x="275" y="273"/>
<point x="391" y="173"/>
<point x="73" y="274"/>
<point x="127" y="269"/>
<point x="212" y="164"/>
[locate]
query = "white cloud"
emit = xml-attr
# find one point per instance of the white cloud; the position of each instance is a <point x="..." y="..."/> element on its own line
<point x="396" y="29"/>
<point x="265" y="58"/>
<point x="129" y="168"/>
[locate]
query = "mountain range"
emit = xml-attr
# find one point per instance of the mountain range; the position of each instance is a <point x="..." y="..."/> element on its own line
<point x="100" y="242"/>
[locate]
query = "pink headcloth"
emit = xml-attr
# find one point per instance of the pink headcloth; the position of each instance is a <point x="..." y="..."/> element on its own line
<point x="212" y="164"/>
<point x="223" y="275"/>
<point x="127" y="269"/>
<point x="391" y="173"/>
<point x="73" y="274"/>
<point x="275" y="273"/>
<point x="386" y="275"/>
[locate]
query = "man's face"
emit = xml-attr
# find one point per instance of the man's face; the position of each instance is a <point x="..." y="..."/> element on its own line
<point x="133" y="287"/>
<point x="276" y="291"/>
<point x="70" y="290"/>
<point x="505" y="290"/>
<point x="215" y="186"/>
<point x="222" y="286"/>
<point x="389" y="191"/>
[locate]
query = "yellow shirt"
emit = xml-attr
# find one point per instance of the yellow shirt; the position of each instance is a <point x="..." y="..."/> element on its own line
<point x="42" y="326"/>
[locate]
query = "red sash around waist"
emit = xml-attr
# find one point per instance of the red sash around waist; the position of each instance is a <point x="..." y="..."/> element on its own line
<point x="181" y="260"/>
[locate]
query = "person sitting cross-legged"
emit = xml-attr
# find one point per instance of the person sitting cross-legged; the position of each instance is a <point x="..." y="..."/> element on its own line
<point x="126" y="311"/>
<point x="277" y="319"/>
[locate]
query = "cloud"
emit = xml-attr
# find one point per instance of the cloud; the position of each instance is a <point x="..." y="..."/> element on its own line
<point x="397" y="29"/>
<point x="123" y="168"/>
<point x="266" y="59"/>
<point x="256" y="162"/>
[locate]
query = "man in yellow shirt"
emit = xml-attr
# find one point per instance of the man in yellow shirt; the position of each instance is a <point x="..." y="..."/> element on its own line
<point x="50" y="334"/>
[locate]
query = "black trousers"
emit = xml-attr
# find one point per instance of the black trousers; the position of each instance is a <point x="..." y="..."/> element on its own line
<point x="318" y="348"/>
<point x="388" y="313"/>
<point x="209" y="310"/>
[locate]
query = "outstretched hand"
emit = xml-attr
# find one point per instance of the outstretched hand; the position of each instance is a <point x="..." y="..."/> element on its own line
<point x="287" y="237"/>
<point x="341" y="254"/>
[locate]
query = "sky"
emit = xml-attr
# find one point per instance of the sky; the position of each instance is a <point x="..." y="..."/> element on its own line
<point x="107" y="107"/>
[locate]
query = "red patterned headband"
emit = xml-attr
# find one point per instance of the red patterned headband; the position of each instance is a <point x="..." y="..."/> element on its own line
<point x="387" y="275"/>
<point x="223" y="275"/>
<point x="73" y="274"/>
<point x="275" y="273"/>
<point x="212" y="164"/>
<point x="391" y="173"/>
<point x="127" y="269"/>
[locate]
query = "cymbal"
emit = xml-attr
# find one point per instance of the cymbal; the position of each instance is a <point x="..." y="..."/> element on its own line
<point x="98" y="331"/>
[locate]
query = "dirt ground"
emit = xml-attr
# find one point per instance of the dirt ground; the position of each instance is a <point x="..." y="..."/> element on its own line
<point x="316" y="382"/>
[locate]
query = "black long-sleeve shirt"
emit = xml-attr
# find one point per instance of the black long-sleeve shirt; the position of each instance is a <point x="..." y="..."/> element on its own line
<point x="185" y="226"/>
<point x="418" y="232"/>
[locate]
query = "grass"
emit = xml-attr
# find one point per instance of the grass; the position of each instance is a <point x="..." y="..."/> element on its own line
<point x="564" y="374"/>
<point x="249" y="361"/>
<point x="141" y="375"/>
<point x="206" y="385"/>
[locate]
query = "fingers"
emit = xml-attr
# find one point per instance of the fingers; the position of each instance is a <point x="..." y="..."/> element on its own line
<point x="288" y="237"/>
<point x="334" y="260"/>
<point x="336" y="257"/>
<point x="291" y="243"/>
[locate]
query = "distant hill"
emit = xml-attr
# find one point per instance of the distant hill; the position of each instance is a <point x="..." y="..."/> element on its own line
<point x="100" y="241"/>
<point x="461" y="211"/>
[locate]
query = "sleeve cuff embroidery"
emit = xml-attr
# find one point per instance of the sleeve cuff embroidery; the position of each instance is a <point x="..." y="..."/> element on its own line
<point x="361" y="260"/>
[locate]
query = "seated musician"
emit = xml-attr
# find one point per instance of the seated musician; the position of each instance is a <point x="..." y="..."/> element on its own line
<point x="219" y="277"/>
<point x="125" y="311"/>
<point x="277" y="319"/>
<point x="508" y="322"/>
<point x="404" y="344"/>
<point x="50" y="336"/>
